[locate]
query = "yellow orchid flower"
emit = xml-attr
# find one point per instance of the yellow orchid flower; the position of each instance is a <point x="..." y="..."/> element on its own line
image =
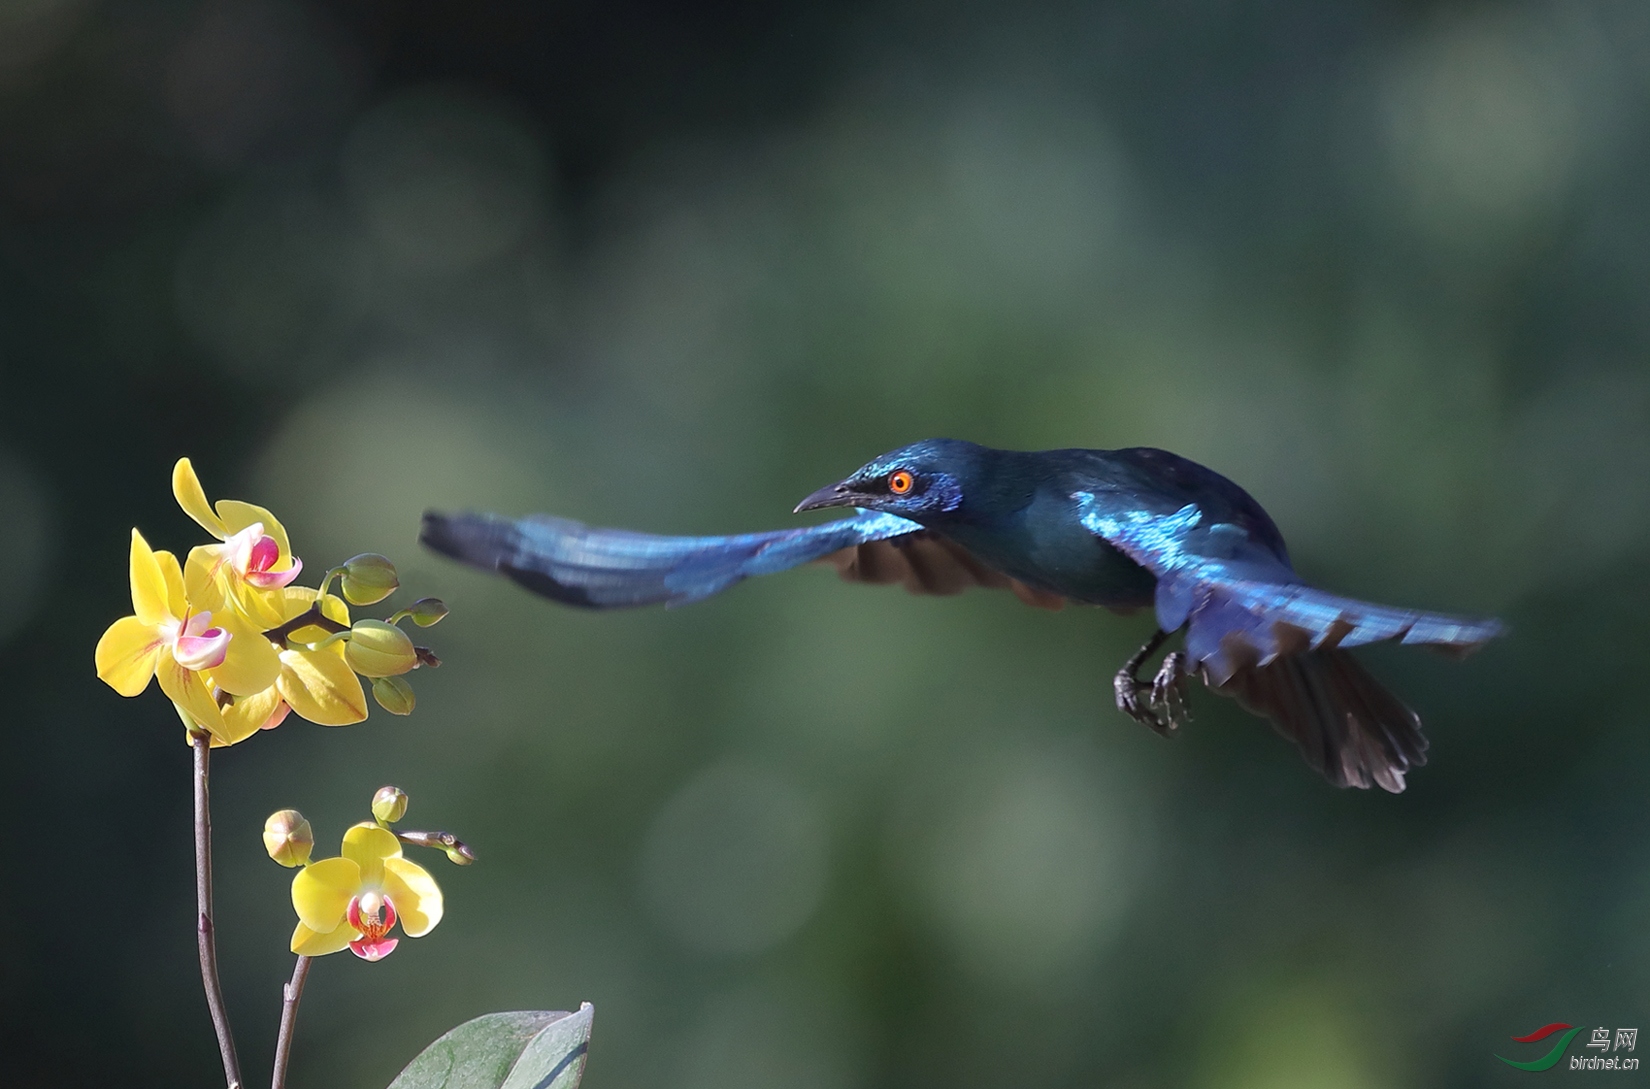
<point x="252" y="559"/>
<point x="317" y="684"/>
<point x="246" y="715"/>
<point x="193" y="651"/>
<point x="353" y="901"/>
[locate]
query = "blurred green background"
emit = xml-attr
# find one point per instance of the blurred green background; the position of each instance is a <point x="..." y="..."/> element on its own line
<point x="671" y="268"/>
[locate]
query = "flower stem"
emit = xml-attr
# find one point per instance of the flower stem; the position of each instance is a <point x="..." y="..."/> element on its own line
<point x="201" y="742"/>
<point x="290" y="994"/>
<point x="313" y="616"/>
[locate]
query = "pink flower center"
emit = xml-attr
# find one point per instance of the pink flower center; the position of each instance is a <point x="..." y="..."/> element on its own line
<point x="253" y="554"/>
<point x="263" y="555"/>
<point x="372" y="915"/>
<point x="197" y="646"/>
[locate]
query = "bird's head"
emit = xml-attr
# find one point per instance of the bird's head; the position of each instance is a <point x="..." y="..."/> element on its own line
<point x="921" y="481"/>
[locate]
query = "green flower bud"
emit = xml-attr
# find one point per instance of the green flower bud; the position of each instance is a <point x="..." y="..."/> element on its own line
<point x="394" y="695"/>
<point x="367" y="579"/>
<point x="389" y="804"/>
<point x="457" y="851"/>
<point x="377" y="649"/>
<point x="288" y="838"/>
<point x="427" y="611"/>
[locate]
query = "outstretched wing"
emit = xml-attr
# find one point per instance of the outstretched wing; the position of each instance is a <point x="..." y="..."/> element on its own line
<point x="1242" y="605"/>
<point x="1260" y="635"/>
<point x="594" y="568"/>
<point x="577" y="564"/>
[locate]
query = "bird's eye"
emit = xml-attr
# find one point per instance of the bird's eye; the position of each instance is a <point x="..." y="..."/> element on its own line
<point x="900" y="482"/>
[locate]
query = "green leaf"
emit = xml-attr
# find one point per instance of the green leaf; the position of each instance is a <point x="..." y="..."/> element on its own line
<point x="527" y="1049"/>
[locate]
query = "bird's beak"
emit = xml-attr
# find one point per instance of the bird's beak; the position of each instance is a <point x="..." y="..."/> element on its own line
<point x="832" y="495"/>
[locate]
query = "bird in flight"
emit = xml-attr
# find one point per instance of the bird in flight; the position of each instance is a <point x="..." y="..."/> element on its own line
<point x="1123" y="529"/>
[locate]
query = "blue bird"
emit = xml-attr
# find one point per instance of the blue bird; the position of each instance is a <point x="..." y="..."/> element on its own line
<point x="1122" y="529"/>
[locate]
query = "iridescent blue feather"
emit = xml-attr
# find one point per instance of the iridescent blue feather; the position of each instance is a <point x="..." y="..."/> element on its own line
<point x="1118" y="528"/>
<point x="1243" y="605"/>
<point x="596" y="568"/>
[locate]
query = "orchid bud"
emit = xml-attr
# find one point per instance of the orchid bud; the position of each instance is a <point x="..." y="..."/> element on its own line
<point x="457" y="851"/>
<point x="288" y="838"/>
<point x="367" y="579"/>
<point x="389" y="804"/>
<point x="427" y="611"/>
<point x="377" y="649"/>
<point x="394" y="695"/>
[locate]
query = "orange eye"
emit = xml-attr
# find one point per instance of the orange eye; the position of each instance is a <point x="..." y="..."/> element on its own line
<point x="900" y="482"/>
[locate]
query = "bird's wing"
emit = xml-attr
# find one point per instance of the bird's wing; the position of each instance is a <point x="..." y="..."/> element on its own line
<point x="595" y="568"/>
<point x="1243" y="605"/>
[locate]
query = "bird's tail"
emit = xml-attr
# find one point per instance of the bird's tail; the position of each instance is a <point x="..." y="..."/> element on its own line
<point x="1346" y="724"/>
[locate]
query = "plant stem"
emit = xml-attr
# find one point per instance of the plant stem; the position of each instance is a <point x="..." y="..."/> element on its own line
<point x="201" y="742"/>
<point x="290" y="994"/>
<point x="313" y="616"/>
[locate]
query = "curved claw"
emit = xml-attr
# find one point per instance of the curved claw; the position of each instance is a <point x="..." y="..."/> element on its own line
<point x="1159" y="704"/>
<point x="1128" y="690"/>
<point x="1169" y="692"/>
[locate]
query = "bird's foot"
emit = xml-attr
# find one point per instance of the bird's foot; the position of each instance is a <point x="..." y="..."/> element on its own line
<point x="1160" y="703"/>
<point x="1169" y="691"/>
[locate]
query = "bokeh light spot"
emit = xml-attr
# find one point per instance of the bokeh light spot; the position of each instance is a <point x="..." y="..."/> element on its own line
<point x="253" y="72"/>
<point x="445" y="181"/>
<point x="1298" y="1036"/>
<point x="1482" y="125"/>
<point x="1026" y="856"/>
<point x="735" y="862"/>
<point x="349" y="488"/>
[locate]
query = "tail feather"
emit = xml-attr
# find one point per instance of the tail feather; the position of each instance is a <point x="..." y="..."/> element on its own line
<point x="1347" y="726"/>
